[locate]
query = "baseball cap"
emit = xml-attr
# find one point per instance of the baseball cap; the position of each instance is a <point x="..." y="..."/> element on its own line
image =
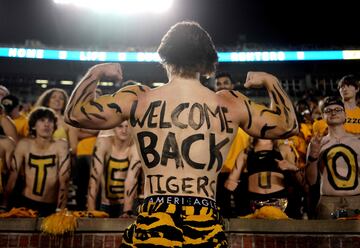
<point x="331" y="100"/>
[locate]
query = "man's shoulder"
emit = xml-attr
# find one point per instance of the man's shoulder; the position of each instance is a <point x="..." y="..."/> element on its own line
<point x="104" y="143"/>
<point x="135" y="89"/>
<point x="60" y="145"/>
<point x="348" y="140"/>
<point x="25" y="141"/>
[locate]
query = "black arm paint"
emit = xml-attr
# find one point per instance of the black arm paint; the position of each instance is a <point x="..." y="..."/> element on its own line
<point x="115" y="107"/>
<point x="249" y="114"/>
<point x="135" y="164"/>
<point x="129" y="91"/>
<point x="97" y="105"/>
<point x="66" y="158"/>
<point x="281" y="98"/>
<point x="286" y="134"/>
<point x="233" y="93"/>
<point x="264" y="129"/>
<point x="275" y="112"/>
<point x="98" y="116"/>
<point x="82" y="109"/>
<point x="274" y="97"/>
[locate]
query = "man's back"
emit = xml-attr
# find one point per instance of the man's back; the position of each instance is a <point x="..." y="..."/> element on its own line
<point x="183" y="131"/>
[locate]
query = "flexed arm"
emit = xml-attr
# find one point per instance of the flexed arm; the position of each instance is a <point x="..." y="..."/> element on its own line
<point x="276" y="121"/>
<point x="86" y="110"/>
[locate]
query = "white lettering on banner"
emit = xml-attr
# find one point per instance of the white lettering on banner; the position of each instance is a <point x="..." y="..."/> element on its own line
<point x="26" y="53"/>
<point x="257" y="56"/>
<point x="93" y="56"/>
<point x="176" y="200"/>
<point x="148" y="57"/>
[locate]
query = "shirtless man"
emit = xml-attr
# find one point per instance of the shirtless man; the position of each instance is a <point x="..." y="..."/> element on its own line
<point x="46" y="166"/>
<point x="116" y="166"/>
<point x="334" y="159"/>
<point x="183" y="132"/>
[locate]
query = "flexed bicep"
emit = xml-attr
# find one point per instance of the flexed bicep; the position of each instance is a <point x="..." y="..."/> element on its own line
<point x="276" y="121"/>
<point x="86" y="110"/>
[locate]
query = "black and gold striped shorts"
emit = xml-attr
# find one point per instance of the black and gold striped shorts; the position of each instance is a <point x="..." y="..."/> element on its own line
<point x="187" y="224"/>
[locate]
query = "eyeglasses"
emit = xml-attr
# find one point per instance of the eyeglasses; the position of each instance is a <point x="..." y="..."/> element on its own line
<point x="335" y="110"/>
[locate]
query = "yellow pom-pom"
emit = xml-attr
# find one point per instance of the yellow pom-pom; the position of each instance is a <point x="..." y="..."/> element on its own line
<point x="267" y="212"/>
<point x="270" y="212"/>
<point x="59" y="223"/>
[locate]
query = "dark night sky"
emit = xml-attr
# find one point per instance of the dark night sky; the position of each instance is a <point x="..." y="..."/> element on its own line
<point x="271" y="23"/>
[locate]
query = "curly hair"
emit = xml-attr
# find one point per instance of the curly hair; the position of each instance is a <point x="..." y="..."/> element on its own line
<point x="44" y="98"/>
<point x="188" y="49"/>
<point x="39" y="113"/>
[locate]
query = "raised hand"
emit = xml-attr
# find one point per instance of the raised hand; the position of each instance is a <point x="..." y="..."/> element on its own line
<point x="315" y="146"/>
<point x="109" y="70"/>
<point x="255" y="79"/>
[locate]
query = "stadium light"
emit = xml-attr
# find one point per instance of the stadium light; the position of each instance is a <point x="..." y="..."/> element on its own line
<point x="66" y="82"/>
<point x="121" y="6"/>
<point x="41" y="81"/>
<point x="106" y="83"/>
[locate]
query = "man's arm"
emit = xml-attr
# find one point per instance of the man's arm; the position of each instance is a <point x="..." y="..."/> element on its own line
<point x="312" y="157"/>
<point x="289" y="164"/>
<point x="73" y="139"/>
<point x="86" y="110"/>
<point x="14" y="168"/>
<point x="233" y="180"/>
<point x="131" y="181"/>
<point x="9" y="127"/>
<point x="289" y="160"/>
<point x="276" y="121"/>
<point x="9" y="146"/>
<point x="64" y="173"/>
<point x="97" y="170"/>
